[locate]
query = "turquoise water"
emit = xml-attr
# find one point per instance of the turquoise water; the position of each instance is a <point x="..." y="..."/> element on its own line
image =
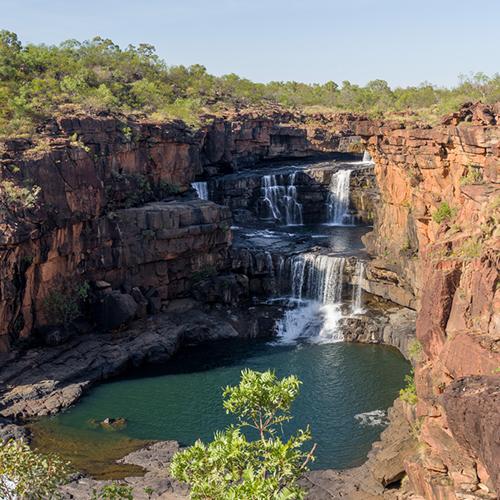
<point x="346" y="388"/>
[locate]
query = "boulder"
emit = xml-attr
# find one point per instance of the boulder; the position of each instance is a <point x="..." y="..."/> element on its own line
<point x="114" y="310"/>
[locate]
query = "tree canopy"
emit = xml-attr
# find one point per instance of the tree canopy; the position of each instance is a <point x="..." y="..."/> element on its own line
<point x="97" y="76"/>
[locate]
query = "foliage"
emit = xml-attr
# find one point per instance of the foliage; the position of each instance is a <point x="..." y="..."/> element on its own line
<point x="444" y="212"/>
<point x="409" y="393"/>
<point x="233" y="468"/>
<point x="64" y="306"/>
<point x="17" y="196"/>
<point x="471" y="249"/>
<point x="26" y="475"/>
<point x="473" y="176"/>
<point x="406" y="245"/>
<point x="203" y="274"/>
<point x="170" y="188"/>
<point x="414" y="350"/>
<point x="97" y="76"/>
<point x="113" y="492"/>
<point x="142" y="182"/>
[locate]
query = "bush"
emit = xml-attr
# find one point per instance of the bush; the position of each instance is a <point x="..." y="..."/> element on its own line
<point x="444" y="212"/>
<point x="26" y="475"/>
<point x="64" y="306"/>
<point x="233" y="468"/>
<point x="409" y="393"/>
<point x="17" y="196"/>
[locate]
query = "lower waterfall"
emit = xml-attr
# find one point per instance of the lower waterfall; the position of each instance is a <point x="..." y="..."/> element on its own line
<point x="316" y="283"/>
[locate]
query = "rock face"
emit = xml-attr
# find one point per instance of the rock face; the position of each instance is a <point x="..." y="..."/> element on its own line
<point x="114" y="204"/>
<point x="436" y="231"/>
<point x="46" y="380"/>
<point x="244" y="192"/>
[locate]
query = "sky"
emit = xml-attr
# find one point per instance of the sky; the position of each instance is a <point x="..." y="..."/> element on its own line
<point x="311" y="41"/>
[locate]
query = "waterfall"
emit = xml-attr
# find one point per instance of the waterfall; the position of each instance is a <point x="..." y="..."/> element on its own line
<point x="316" y="286"/>
<point x="357" y="291"/>
<point x="338" y="199"/>
<point x="270" y="266"/>
<point x="280" y="197"/>
<point x="202" y="189"/>
<point x="367" y="157"/>
<point x="317" y="277"/>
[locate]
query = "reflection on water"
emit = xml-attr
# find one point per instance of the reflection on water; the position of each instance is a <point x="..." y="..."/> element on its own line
<point x="183" y="401"/>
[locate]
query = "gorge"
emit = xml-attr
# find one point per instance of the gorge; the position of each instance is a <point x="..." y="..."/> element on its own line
<point x="118" y="211"/>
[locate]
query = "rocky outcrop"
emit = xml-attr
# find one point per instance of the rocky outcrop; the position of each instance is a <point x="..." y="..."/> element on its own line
<point x="105" y="199"/>
<point x="436" y="230"/>
<point x="46" y="380"/>
<point x="247" y="139"/>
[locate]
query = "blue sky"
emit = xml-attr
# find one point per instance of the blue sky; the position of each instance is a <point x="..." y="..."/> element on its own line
<point x="312" y="41"/>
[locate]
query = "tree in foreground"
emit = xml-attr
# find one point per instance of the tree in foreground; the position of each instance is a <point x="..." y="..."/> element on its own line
<point x="26" y="475"/>
<point x="232" y="468"/>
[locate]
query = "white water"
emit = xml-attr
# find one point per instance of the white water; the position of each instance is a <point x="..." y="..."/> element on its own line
<point x="338" y="199"/>
<point x="372" y="418"/>
<point x="280" y="197"/>
<point x="367" y="157"/>
<point x="316" y="287"/>
<point x="202" y="190"/>
<point x="357" y="291"/>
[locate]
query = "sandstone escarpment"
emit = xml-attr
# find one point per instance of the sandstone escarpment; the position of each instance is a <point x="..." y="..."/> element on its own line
<point x="113" y="204"/>
<point x="437" y="230"/>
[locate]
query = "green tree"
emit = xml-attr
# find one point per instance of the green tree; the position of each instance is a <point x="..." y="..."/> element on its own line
<point x="233" y="468"/>
<point x="26" y="475"/>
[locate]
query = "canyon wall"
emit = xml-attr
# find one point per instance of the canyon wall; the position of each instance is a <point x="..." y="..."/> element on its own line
<point x="436" y="231"/>
<point x="108" y="202"/>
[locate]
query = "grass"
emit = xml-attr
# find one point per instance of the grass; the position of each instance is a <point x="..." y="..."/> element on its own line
<point x="471" y="249"/>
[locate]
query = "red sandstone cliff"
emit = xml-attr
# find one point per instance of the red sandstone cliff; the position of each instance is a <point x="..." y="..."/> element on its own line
<point x="114" y="206"/>
<point x="437" y="228"/>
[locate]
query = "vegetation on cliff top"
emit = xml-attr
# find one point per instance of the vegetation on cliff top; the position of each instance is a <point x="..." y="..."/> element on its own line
<point x="96" y="76"/>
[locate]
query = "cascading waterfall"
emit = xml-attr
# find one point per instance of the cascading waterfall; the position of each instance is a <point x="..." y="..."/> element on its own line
<point x="338" y="199"/>
<point x="270" y="266"/>
<point x="357" y="291"/>
<point x="280" y="197"/>
<point x="315" y="282"/>
<point x="202" y="190"/>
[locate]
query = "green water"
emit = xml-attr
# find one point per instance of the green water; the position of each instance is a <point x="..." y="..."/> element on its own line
<point x="183" y="401"/>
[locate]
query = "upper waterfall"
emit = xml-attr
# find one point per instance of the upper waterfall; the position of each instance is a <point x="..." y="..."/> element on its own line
<point x="367" y="157"/>
<point x="280" y="197"/>
<point x="202" y="189"/>
<point x="338" y="199"/>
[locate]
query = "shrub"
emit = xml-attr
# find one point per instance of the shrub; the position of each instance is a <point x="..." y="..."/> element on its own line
<point x="233" y="468"/>
<point x="471" y="249"/>
<point x="64" y="306"/>
<point x="113" y="492"/>
<point x="17" y="196"/>
<point x="409" y="393"/>
<point x="26" y="475"/>
<point x="170" y="188"/>
<point x="444" y="212"/>
<point x="406" y="244"/>
<point x="203" y="274"/>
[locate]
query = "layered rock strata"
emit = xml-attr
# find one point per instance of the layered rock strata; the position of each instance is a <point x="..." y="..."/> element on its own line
<point x="102" y="200"/>
<point x="437" y="226"/>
